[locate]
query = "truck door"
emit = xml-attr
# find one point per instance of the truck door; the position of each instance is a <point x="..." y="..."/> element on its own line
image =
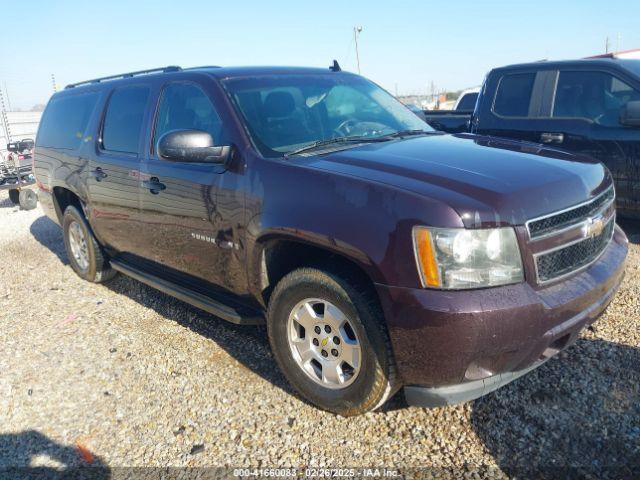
<point x="586" y="119"/>
<point x="191" y="212"/>
<point x="113" y="170"/>
<point x="514" y="104"/>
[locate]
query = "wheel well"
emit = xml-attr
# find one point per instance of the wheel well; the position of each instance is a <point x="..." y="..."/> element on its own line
<point x="280" y="257"/>
<point x="63" y="198"/>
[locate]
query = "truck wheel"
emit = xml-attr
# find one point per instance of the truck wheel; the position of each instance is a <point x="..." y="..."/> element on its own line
<point x="14" y="196"/>
<point x="28" y="199"/>
<point x="329" y="339"/>
<point x="85" y="255"/>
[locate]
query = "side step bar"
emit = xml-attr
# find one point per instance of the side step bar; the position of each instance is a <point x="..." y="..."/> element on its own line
<point x="188" y="296"/>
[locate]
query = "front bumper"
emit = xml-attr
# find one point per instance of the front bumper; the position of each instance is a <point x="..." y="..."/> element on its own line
<point x="454" y="346"/>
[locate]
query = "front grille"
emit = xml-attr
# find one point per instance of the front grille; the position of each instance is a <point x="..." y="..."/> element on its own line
<point x="557" y="221"/>
<point x="565" y="260"/>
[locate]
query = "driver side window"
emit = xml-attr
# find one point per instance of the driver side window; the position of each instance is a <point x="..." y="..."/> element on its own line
<point x="184" y="106"/>
<point x="595" y="96"/>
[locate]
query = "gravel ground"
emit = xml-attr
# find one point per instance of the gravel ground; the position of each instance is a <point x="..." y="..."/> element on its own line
<point x="119" y="375"/>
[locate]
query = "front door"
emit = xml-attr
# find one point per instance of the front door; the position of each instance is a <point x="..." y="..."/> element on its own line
<point x="190" y="219"/>
<point x="586" y="116"/>
<point x="113" y="171"/>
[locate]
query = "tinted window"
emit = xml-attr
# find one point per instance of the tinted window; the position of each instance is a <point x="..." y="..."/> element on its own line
<point x="596" y="96"/>
<point x="123" y="120"/>
<point x="514" y="95"/>
<point x="468" y="101"/>
<point x="65" y="120"/>
<point x="186" y="106"/>
<point x="285" y="112"/>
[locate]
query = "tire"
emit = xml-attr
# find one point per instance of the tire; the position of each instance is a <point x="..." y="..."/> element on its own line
<point x="28" y="199"/>
<point x="370" y="384"/>
<point x="14" y="196"/>
<point x="92" y="264"/>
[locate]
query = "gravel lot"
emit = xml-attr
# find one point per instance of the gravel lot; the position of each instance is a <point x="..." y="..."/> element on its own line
<point x="119" y="375"/>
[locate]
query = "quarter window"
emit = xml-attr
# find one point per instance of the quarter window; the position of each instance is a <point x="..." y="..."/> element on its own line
<point x="184" y="106"/>
<point x="65" y="120"/>
<point x="514" y="95"/>
<point x="123" y="120"/>
<point x="595" y="96"/>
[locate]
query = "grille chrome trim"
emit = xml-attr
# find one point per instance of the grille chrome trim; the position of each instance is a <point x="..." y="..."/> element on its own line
<point x="577" y="221"/>
<point x="611" y="220"/>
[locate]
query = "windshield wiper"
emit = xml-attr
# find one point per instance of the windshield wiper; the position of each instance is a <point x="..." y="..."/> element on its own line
<point x="334" y="141"/>
<point x="409" y="133"/>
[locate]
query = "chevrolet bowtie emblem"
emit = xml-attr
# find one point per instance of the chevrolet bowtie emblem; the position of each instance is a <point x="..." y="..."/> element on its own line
<point x="325" y="341"/>
<point x="594" y="226"/>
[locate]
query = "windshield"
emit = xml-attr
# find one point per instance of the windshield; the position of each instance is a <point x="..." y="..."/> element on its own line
<point x="286" y="112"/>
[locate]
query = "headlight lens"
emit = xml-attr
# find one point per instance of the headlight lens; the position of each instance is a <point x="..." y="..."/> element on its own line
<point x="457" y="258"/>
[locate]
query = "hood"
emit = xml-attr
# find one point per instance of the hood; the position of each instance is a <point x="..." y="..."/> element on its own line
<point x="488" y="181"/>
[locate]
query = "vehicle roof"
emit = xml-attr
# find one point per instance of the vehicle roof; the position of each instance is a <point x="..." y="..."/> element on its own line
<point x="627" y="64"/>
<point x="217" y="72"/>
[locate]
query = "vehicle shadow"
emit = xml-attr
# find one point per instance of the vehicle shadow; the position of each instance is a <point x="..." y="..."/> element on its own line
<point x="30" y="454"/>
<point x="45" y="231"/>
<point x="631" y="227"/>
<point x="553" y="423"/>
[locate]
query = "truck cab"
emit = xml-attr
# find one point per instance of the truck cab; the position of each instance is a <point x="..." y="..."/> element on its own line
<point x="589" y="107"/>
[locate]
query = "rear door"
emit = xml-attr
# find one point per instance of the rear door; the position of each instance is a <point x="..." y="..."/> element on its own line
<point x="519" y="107"/>
<point x="190" y="224"/>
<point x="113" y="180"/>
<point x="586" y="119"/>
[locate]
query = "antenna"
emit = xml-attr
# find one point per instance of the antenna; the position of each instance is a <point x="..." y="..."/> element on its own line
<point x="356" y="33"/>
<point x="335" y="67"/>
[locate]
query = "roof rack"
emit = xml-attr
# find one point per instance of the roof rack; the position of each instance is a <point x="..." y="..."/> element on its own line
<point x="172" y="68"/>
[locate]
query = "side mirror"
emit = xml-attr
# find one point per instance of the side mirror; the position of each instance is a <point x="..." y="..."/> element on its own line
<point x="194" y="146"/>
<point x="630" y="115"/>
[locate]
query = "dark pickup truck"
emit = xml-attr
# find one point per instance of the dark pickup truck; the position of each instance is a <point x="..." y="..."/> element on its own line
<point x="380" y="254"/>
<point x="590" y="107"/>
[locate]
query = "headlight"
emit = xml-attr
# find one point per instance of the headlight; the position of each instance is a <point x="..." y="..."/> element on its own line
<point x="457" y="258"/>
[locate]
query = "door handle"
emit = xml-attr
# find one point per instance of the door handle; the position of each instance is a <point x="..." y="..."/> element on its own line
<point x="98" y="174"/>
<point x="552" y="137"/>
<point x="154" y="185"/>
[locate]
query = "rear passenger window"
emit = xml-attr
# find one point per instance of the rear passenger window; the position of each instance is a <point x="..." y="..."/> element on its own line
<point x="595" y="96"/>
<point x="123" y="120"/>
<point x="65" y="120"/>
<point x="514" y="95"/>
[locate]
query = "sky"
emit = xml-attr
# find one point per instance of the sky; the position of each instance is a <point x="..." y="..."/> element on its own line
<point x="405" y="46"/>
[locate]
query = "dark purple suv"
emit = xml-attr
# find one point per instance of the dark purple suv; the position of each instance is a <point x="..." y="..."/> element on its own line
<point x="381" y="254"/>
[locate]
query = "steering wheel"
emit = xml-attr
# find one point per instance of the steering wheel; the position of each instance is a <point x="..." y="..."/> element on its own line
<point x="346" y="127"/>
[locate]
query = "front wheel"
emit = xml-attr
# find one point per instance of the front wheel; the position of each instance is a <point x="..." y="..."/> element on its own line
<point x="330" y="341"/>
<point x="84" y="252"/>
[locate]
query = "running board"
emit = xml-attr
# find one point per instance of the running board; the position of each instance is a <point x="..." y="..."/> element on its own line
<point x="198" y="300"/>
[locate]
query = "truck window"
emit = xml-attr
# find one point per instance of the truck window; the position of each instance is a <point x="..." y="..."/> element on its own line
<point x="595" y="96"/>
<point x="123" y="120"/>
<point x="468" y="102"/>
<point x="514" y="95"/>
<point x="65" y="120"/>
<point x="186" y="106"/>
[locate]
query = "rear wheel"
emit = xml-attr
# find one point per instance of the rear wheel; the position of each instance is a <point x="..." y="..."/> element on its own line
<point x="14" y="196"/>
<point x="85" y="254"/>
<point x="28" y="199"/>
<point x="329" y="339"/>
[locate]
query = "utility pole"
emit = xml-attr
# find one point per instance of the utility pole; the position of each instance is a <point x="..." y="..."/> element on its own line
<point x="606" y="45"/>
<point x="356" y="34"/>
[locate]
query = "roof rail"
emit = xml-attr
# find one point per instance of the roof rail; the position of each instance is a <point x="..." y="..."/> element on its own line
<point x="172" y="68"/>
